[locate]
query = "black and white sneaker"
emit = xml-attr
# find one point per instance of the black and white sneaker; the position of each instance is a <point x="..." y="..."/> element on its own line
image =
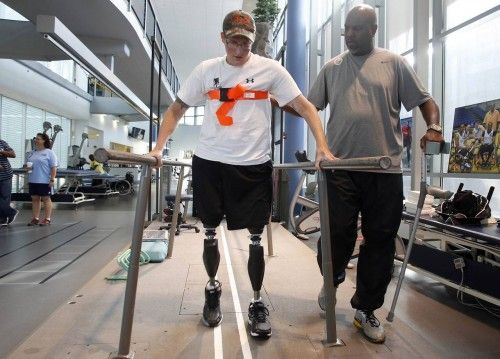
<point x="258" y="320"/>
<point x="12" y="218"/>
<point x="212" y="315"/>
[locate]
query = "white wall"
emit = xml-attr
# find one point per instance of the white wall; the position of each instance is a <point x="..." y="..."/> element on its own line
<point x="114" y="130"/>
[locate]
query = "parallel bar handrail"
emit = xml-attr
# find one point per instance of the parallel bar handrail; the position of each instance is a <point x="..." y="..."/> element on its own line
<point x="381" y="162"/>
<point x="106" y="155"/>
<point x="147" y="161"/>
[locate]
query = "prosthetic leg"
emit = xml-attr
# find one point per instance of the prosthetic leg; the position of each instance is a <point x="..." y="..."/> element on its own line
<point x="257" y="311"/>
<point x="212" y="315"/>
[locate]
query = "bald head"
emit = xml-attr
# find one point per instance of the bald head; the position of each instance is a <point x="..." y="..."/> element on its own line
<point x="360" y="28"/>
<point x="364" y="13"/>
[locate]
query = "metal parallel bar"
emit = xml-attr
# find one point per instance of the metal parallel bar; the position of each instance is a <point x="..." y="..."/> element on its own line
<point x="104" y="155"/>
<point x="383" y="162"/>
<point x="133" y="270"/>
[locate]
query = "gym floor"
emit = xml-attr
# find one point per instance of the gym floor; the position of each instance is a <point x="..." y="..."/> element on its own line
<point x="56" y="303"/>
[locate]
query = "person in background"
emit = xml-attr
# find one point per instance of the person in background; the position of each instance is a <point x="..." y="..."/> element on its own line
<point x="364" y="88"/>
<point x="41" y="166"/>
<point x="492" y="117"/>
<point x="232" y="168"/>
<point x="95" y="165"/>
<point x="7" y="213"/>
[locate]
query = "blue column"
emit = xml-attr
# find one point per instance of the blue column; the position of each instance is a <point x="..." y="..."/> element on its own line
<point x="295" y="62"/>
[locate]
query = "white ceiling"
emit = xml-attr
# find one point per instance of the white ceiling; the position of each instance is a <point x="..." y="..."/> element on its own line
<point x="191" y="29"/>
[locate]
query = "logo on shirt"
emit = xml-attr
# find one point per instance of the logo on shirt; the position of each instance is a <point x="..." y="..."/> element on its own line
<point x="216" y="82"/>
<point x="337" y="61"/>
<point x="249" y="80"/>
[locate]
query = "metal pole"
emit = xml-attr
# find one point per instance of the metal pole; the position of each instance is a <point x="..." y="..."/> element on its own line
<point x="133" y="270"/>
<point x="158" y="172"/>
<point x="162" y="190"/>
<point x="269" y="232"/>
<point x="151" y="90"/>
<point x="326" y="248"/>
<point x="173" y="228"/>
<point x="103" y="155"/>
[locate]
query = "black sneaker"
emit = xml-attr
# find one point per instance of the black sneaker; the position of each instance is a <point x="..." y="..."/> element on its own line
<point x="212" y="316"/>
<point x="258" y="320"/>
<point x="12" y="218"/>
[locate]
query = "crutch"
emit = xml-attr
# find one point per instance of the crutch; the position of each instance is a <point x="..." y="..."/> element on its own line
<point x="432" y="148"/>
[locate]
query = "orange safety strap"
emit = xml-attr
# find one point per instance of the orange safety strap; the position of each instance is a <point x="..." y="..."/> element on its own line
<point x="233" y="94"/>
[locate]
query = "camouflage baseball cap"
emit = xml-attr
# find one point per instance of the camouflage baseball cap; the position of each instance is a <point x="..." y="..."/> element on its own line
<point x="239" y="22"/>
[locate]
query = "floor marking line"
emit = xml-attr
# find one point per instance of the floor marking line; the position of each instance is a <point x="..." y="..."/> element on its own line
<point x="218" y="352"/>
<point x="245" y="347"/>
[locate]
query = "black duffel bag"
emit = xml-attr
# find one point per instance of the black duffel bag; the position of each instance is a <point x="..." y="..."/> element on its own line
<point x="466" y="207"/>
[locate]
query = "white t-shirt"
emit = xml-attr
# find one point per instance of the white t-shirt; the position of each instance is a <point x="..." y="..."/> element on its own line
<point x="488" y="137"/>
<point x="248" y="140"/>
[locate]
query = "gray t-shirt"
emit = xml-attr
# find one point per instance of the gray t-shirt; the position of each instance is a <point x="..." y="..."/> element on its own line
<point x="365" y="95"/>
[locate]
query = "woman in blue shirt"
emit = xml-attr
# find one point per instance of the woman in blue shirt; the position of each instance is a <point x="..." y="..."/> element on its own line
<point x="42" y="169"/>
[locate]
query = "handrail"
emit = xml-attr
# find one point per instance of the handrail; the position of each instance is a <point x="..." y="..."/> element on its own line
<point x="381" y="162"/>
<point x="106" y="155"/>
<point x="147" y="161"/>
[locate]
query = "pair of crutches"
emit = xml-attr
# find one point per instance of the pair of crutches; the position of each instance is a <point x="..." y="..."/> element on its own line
<point x="432" y="148"/>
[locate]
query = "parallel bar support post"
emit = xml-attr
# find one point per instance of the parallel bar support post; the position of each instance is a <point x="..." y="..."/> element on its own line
<point x="175" y="215"/>
<point x="269" y="233"/>
<point x="133" y="270"/>
<point x="159" y="173"/>
<point x="326" y="248"/>
<point x="151" y="90"/>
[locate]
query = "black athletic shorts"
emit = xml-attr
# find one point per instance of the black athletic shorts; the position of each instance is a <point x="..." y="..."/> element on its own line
<point x="242" y="193"/>
<point x="40" y="189"/>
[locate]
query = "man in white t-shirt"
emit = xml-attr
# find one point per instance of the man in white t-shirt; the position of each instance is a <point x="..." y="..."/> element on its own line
<point x="232" y="165"/>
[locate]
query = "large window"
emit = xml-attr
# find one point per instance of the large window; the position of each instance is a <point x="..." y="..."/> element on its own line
<point x="471" y="76"/>
<point x="19" y="124"/>
<point x="459" y="11"/>
<point x="193" y="116"/>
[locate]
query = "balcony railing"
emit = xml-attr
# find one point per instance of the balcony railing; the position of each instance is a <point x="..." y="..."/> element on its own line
<point x="143" y="10"/>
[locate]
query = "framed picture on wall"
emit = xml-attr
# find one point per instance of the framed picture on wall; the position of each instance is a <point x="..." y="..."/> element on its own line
<point x="406" y="125"/>
<point x="475" y="139"/>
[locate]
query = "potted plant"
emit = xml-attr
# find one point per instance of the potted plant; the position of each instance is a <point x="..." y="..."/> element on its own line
<point x="265" y="14"/>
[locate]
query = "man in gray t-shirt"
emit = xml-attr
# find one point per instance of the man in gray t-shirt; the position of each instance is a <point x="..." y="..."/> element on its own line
<point x="364" y="88"/>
